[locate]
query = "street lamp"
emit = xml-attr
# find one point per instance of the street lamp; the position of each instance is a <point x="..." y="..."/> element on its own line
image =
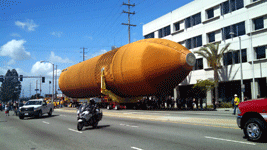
<point x="53" y="80"/>
<point x="241" y="74"/>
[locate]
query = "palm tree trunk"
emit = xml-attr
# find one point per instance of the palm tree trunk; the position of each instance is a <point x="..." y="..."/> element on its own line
<point x="216" y="78"/>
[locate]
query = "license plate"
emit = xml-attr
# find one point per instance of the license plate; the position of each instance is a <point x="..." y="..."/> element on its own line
<point x="26" y="114"/>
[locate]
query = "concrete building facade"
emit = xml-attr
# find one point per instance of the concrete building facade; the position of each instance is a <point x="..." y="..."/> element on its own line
<point x="243" y="23"/>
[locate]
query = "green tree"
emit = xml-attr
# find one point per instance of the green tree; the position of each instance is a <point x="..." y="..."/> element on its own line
<point x="11" y="87"/>
<point x="214" y="57"/>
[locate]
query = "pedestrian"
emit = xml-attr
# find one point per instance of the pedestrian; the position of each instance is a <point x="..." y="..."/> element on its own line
<point x="258" y="96"/>
<point x="0" y="106"/>
<point x="196" y="102"/>
<point x="245" y="99"/>
<point x="7" y="109"/>
<point x="201" y="103"/>
<point x="178" y="102"/>
<point x="213" y="102"/>
<point x="236" y="101"/>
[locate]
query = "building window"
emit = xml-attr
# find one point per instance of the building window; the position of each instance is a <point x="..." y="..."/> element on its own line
<point x="225" y="7"/>
<point x="210" y="13"/>
<point x="197" y="41"/>
<point x="194" y="42"/>
<point x="260" y="52"/>
<point x="258" y="23"/>
<point x="244" y="55"/>
<point x="188" y="22"/>
<point x="231" y="5"/>
<point x="211" y="37"/>
<point x="198" y="64"/>
<point x="177" y="26"/>
<point x="238" y="30"/>
<point x="188" y="44"/>
<point x="255" y="0"/>
<point x="150" y="35"/>
<point x="164" y="31"/>
<point x="193" y="20"/>
<point x="234" y="57"/>
<point x="228" y="59"/>
<point x="196" y="19"/>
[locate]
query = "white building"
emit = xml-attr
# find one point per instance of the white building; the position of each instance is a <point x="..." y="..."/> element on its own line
<point x="210" y="21"/>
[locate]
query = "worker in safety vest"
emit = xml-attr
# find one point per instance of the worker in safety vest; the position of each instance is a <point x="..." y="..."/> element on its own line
<point x="236" y="103"/>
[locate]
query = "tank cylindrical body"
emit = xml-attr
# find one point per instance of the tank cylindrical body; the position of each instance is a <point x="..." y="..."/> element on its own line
<point x="145" y="67"/>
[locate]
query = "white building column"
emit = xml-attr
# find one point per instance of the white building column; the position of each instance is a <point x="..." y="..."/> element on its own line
<point x="257" y="88"/>
<point x="209" y="97"/>
<point x="176" y="94"/>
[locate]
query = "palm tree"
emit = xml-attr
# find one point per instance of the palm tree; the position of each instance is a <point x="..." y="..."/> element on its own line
<point x="214" y="56"/>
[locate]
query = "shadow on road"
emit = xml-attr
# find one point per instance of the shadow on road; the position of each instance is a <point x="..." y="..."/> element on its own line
<point x="98" y="127"/>
<point x="43" y="117"/>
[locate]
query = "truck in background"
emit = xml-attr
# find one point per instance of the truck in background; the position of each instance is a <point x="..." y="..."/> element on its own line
<point x="252" y="118"/>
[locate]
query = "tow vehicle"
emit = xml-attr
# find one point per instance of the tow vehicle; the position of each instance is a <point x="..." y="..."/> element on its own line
<point x="252" y="118"/>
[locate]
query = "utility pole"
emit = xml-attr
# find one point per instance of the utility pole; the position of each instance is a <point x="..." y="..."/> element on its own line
<point x="83" y="52"/>
<point x="40" y="87"/>
<point x="129" y="13"/>
<point x="30" y="89"/>
<point x="56" y="82"/>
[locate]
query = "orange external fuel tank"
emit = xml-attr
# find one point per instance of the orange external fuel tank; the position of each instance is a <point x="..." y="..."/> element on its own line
<point x="145" y="67"/>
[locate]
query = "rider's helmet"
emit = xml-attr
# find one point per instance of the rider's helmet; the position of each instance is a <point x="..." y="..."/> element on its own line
<point x="92" y="102"/>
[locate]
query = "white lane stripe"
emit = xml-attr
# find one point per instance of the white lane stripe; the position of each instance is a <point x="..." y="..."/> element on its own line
<point x="136" y="148"/>
<point x="229" y="140"/>
<point x="129" y="125"/>
<point x="46" y="122"/>
<point x="75" y="130"/>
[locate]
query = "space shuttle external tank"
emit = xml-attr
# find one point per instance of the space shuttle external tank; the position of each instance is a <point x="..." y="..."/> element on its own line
<point x="145" y="67"/>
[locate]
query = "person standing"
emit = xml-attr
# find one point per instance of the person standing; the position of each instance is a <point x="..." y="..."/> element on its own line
<point x="7" y="109"/>
<point x="213" y="102"/>
<point x="236" y="103"/>
<point x="201" y="103"/>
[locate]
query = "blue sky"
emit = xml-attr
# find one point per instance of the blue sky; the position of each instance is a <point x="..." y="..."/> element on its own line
<point x="56" y="30"/>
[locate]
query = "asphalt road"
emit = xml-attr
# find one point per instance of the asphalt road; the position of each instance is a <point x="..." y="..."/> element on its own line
<point x="126" y="129"/>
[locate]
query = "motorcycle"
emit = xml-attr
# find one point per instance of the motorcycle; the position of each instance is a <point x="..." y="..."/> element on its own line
<point x="88" y="117"/>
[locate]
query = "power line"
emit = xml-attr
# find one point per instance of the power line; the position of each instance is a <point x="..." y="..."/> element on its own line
<point x="129" y="13"/>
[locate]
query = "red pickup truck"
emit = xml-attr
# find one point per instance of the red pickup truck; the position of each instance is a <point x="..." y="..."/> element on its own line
<point x="252" y="118"/>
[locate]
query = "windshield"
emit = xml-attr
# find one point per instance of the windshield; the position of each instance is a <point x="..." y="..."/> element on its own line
<point x="34" y="103"/>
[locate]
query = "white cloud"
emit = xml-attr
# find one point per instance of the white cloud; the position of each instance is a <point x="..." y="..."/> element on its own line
<point x="56" y="34"/>
<point x="29" y="24"/>
<point x="43" y="69"/>
<point x="99" y="53"/>
<point x="57" y="59"/>
<point x="89" y="37"/>
<point x="15" y="50"/>
<point x="11" y="62"/>
<point x="15" y="35"/>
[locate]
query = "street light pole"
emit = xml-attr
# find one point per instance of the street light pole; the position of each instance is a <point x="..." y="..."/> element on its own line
<point x="241" y="70"/>
<point x="241" y="73"/>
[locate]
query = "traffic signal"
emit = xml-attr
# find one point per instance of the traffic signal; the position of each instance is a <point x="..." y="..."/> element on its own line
<point x="43" y="79"/>
<point x="21" y="77"/>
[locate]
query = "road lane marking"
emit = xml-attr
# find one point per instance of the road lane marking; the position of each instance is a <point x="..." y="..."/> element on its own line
<point x="46" y="122"/>
<point x="229" y="140"/>
<point x="75" y="130"/>
<point x="129" y="125"/>
<point x="136" y="148"/>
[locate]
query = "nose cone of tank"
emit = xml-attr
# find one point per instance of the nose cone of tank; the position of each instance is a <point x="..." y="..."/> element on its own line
<point x="190" y="59"/>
